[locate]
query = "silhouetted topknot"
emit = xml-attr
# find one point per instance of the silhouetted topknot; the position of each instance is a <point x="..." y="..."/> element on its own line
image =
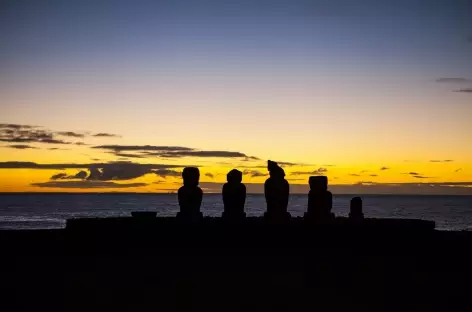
<point x="234" y="176"/>
<point x="274" y="169"/>
<point x="191" y="176"/>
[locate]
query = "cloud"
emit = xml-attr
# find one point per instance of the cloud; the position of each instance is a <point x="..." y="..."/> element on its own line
<point x="167" y="173"/>
<point x="121" y="148"/>
<point x="374" y="175"/>
<point x="170" y="152"/>
<point x="71" y="134"/>
<point x="354" y="175"/>
<point x="255" y="173"/>
<point x="106" y="135"/>
<point x="210" y="175"/>
<point x="16" y="126"/>
<point x="319" y="171"/>
<point x="457" y="170"/>
<point x="216" y="154"/>
<point x="20" y="146"/>
<point x="33" y="165"/>
<point x="86" y="184"/>
<point x="128" y="155"/>
<point x="465" y="90"/>
<point x="384" y="168"/>
<point x="421" y="177"/>
<point x="452" y="80"/>
<point x="412" y="173"/>
<point x="15" y="133"/>
<point x="441" y="161"/>
<point x="59" y="176"/>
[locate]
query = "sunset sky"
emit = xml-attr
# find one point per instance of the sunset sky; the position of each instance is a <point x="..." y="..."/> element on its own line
<point x="121" y="95"/>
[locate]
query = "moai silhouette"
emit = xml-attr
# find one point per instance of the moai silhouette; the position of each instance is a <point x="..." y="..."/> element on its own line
<point x="234" y="196"/>
<point x="355" y="212"/>
<point x="190" y="195"/>
<point x="276" y="190"/>
<point x="320" y="200"/>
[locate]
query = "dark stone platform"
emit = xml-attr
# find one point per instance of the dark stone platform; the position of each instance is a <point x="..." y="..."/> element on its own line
<point x="145" y="263"/>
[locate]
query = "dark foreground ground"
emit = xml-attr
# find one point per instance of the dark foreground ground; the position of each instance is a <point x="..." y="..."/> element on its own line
<point x="158" y="264"/>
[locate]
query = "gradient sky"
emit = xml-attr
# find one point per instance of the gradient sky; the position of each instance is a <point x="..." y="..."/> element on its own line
<point x="342" y="88"/>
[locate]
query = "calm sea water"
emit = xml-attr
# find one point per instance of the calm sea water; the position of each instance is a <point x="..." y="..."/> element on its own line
<point x="34" y="211"/>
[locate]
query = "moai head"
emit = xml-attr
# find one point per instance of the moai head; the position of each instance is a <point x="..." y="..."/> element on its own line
<point x="318" y="183"/>
<point x="191" y="176"/>
<point x="234" y="176"/>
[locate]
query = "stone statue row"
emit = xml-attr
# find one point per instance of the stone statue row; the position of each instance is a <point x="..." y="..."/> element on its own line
<point x="276" y="191"/>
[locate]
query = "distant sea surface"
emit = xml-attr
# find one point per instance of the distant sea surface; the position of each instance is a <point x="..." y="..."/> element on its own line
<point x="41" y="211"/>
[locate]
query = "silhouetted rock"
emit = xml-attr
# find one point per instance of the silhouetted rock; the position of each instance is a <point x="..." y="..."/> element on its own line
<point x="190" y="195"/>
<point x="320" y="200"/>
<point x="356" y="209"/>
<point x="276" y="190"/>
<point x="234" y="195"/>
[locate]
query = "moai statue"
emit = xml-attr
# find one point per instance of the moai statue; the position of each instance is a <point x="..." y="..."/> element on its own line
<point x="320" y="200"/>
<point x="276" y="190"/>
<point x="355" y="212"/>
<point x="190" y="195"/>
<point x="234" y="196"/>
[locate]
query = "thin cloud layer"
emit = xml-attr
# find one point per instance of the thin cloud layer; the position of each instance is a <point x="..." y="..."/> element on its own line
<point x="465" y="90"/>
<point x="140" y="148"/>
<point x="20" y="146"/>
<point x="441" y="161"/>
<point x="167" y="173"/>
<point x="87" y="184"/>
<point x="71" y="134"/>
<point x="33" y="165"/>
<point x="210" y="175"/>
<point x="106" y="135"/>
<point x="452" y="80"/>
<point x="319" y="171"/>
<point x="18" y="133"/>
<point x="255" y="173"/>
<point x="384" y="168"/>
<point x="144" y="151"/>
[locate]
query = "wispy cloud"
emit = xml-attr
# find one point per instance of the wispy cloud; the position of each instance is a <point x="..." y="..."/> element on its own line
<point x="418" y="176"/>
<point x="465" y="90"/>
<point x="452" y="80"/>
<point x="33" y="165"/>
<point x="319" y="171"/>
<point x="441" y="161"/>
<point x="144" y="151"/>
<point x="255" y="173"/>
<point x="167" y="173"/>
<point x="86" y="184"/>
<point x="160" y="148"/>
<point x="384" y="168"/>
<point x="374" y="175"/>
<point x="412" y="173"/>
<point x="210" y="175"/>
<point x="354" y="175"/>
<point x="457" y="170"/>
<point x="106" y="135"/>
<point x="71" y="134"/>
<point x="81" y="175"/>
<point x="20" y="146"/>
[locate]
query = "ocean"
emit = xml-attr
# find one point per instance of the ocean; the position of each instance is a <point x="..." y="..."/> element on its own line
<point x="45" y="211"/>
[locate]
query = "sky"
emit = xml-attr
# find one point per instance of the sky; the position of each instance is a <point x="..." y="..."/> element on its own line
<point x="99" y="96"/>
